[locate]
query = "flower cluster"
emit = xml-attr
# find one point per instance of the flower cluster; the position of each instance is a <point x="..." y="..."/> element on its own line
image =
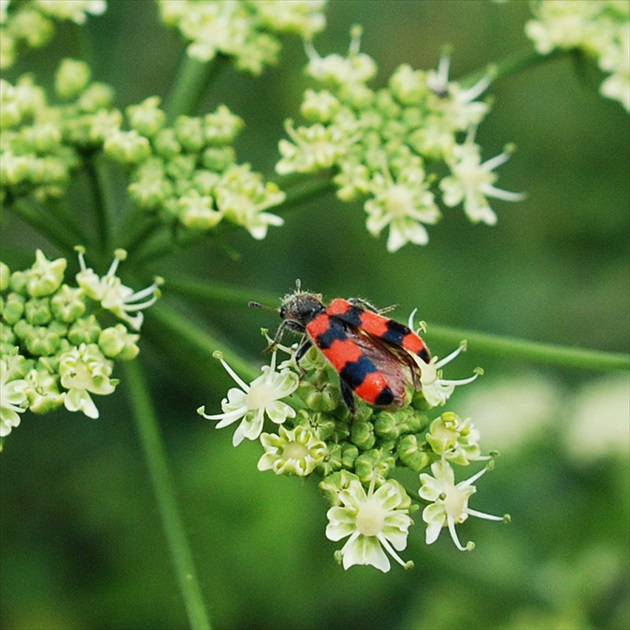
<point x="31" y="23"/>
<point x="599" y="28"/>
<point x="184" y="175"/>
<point x="245" y="30"/>
<point x="357" y="453"/>
<point x="59" y="343"/>
<point x="393" y="145"/>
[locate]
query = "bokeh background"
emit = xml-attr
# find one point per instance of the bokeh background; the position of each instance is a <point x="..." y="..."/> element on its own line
<point x="82" y="545"/>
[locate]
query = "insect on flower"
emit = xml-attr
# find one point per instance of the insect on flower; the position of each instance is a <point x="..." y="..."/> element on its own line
<point x="376" y="357"/>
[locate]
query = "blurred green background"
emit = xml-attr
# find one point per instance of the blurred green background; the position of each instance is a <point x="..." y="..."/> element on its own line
<point x="82" y="545"/>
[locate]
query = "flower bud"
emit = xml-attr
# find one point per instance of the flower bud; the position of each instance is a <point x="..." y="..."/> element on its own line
<point x="411" y="453"/>
<point x="67" y="304"/>
<point x="362" y="435"/>
<point x="37" y="311"/>
<point x="85" y="330"/>
<point x="13" y="308"/>
<point x="128" y="147"/>
<point x="72" y="78"/>
<point x="117" y="342"/>
<point x="146" y="118"/>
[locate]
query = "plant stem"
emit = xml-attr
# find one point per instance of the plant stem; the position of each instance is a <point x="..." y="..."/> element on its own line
<point x="99" y="182"/>
<point x="495" y="345"/>
<point x="483" y="343"/>
<point x="155" y="456"/>
<point x="191" y="83"/>
<point x="54" y="232"/>
<point x="202" y="340"/>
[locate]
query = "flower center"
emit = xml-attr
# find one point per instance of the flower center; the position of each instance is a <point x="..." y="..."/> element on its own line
<point x="370" y="518"/>
<point x="260" y="396"/>
<point x="455" y="504"/>
<point x="294" y="450"/>
<point x="399" y="201"/>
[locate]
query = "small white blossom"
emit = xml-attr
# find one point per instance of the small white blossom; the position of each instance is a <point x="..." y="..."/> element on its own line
<point x="85" y="370"/>
<point x="435" y="389"/>
<point x="13" y="399"/>
<point x="449" y="502"/>
<point x="373" y="521"/>
<point x="293" y="452"/>
<point x="404" y="205"/>
<point x="113" y="294"/>
<point x="252" y="402"/>
<point x="455" y="439"/>
<point x="472" y="181"/>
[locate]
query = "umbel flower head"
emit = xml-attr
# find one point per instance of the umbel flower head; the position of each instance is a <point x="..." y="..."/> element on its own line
<point x="356" y="453"/>
<point x="56" y="345"/>
<point x="599" y="28"/>
<point x="392" y="146"/>
<point x="185" y="176"/>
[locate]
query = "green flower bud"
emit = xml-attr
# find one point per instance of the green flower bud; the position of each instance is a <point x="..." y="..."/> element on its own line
<point x="349" y="454"/>
<point x="7" y="339"/>
<point x="5" y="276"/>
<point x="409" y="86"/>
<point x="362" y="435"/>
<point x="43" y="391"/>
<point x="197" y="212"/>
<point x="386" y="425"/>
<point x="189" y="133"/>
<point x="318" y="398"/>
<point x="45" y="276"/>
<point x="116" y="342"/>
<point x="218" y="158"/>
<point x="146" y="118"/>
<point x="221" y="127"/>
<point x="166" y="144"/>
<point x="44" y="137"/>
<point x="319" y="106"/>
<point x="181" y="169"/>
<point x="14" y="169"/>
<point x="374" y="462"/>
<point x="37" y="311"/>
<point x="128" y="147"/>
<point x="13" y="308"/>
<point x="332" y="484"/>
<point x="149" y="192"/>
<point x="204" y="181"/>
<point x="102" y="124"/>
<point x="85" y="330"/>
<point x="32" y="27"/>
<point x="71" y="78"/>
<point x="412" y="454"/>
<point x="96" y="96"/>
<point x="41" y="340"/>
<point x="67" y="304"/>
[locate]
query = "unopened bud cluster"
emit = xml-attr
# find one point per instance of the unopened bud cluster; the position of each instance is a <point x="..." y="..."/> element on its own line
<point x="246" y="31"/>
<point x="58" y="341"/>
<point x="185" y="174"/>
<point x="31" y="23"/>
<point x="357" y="453"/>
<point x="598" y="28"/>
<point x="393" y="146"/>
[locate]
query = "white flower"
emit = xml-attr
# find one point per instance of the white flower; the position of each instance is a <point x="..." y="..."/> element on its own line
<point x="250" y="403"/>
<point x="455" y="439"/>
<point x="435" y="389"/>
<point x="472" y="181"/>
<point x="294" y="452"/>
<point x="12" y="398"/>
<point x="373" y="521"/>
<point x="85" y="370"/>
<point x="115" y="296"/>
<point x="403" y="205"/>
<point x="449" y="502"/>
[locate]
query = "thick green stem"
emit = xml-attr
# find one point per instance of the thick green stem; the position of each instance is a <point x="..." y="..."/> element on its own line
<point x="103" y="206"/>
<point x="480" y="343"/>
<point x="201" y="340"/>
<point x="190" y="85"/>
<point x="495" y="345"/>
<point x="155" y="456"/>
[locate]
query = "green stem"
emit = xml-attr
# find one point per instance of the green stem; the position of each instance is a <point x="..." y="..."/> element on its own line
<point x="99" y="182"/>
<point x="482" y="343"/>
<point x="302" y="189"/>
<point x="485" y="343"/>
<point x="154" y="453"/>
<point x="54" y="232"/>
<point x="510" y="65"/>
<point x="200" y="341"/>
<point x="190" y="85"/>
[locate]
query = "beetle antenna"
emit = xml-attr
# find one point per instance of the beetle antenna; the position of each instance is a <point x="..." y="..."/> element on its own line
<point x="263" y="306"/>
